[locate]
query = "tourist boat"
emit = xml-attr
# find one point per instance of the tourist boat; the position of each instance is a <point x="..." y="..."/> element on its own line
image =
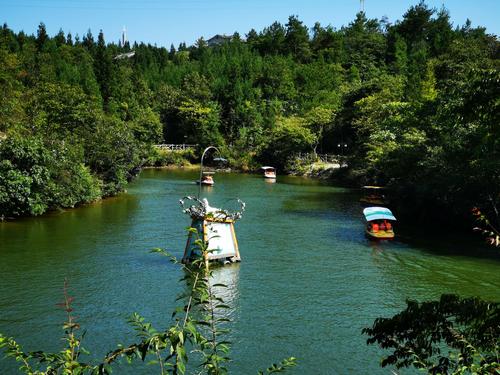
<point x="379" y="224"/>
<point x="269" y="172"/>
<point x="207" y="179"/>
<point x="374" y="195"/>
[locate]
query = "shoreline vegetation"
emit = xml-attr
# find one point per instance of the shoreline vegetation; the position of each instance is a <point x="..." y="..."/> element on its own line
<point x="413" y="105"/>
<point x="311" y="167"/>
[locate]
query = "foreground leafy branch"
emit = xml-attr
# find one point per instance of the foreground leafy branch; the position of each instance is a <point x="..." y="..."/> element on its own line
<point x="486" y="227"/>
<point x="67" y="361"/>
<point x="449" y="336"/>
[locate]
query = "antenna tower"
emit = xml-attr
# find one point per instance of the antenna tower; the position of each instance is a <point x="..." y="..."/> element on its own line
<point x="361" y="5"/>
<point x="124" y="36"/>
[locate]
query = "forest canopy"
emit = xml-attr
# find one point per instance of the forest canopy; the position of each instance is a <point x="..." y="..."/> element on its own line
<point x="416" y="102"/>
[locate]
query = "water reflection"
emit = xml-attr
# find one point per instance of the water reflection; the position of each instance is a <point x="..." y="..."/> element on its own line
<point x="227" y="275"/>
<point x="207" y="188"/>
<point x="224" y="284"/>
<point x="376" y="247"/>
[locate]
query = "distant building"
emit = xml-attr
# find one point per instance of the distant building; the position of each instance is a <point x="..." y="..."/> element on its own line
<point x="218" y="39"/>
<point x="126" y="55"/>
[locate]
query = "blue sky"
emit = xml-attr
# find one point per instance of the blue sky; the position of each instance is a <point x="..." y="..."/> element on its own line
<point x="166" y="21"/>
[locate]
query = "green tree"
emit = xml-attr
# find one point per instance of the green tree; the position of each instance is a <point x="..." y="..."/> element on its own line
<point x="319" y="120"/>
<point x="88" y="41"/>
<point x="61" y="111"/>
<point x="415" y="25"/>
<point x="11" y="111"/>
<point x="103" y="68"/>
<point x="364" y="45"/>
<point x="113" y="154"/>
<point x="200" y="122"/>
<point x="69" y="39"/>
<point x="290" y="137"/>
<point x="36" y="177"/>
<point x="400" y="57"/>
<point x="449" y="336"/>
<point x="327" y="44"/>
<point x="297" y="39"/>
<point x="272" y="39"/>
<point x="41" y="37"/>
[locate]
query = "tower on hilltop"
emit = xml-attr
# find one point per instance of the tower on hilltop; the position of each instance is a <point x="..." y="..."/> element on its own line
<point x="124" y="36"/>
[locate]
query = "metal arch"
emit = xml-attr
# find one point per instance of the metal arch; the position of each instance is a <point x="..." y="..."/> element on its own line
<point x="201" y="167"/>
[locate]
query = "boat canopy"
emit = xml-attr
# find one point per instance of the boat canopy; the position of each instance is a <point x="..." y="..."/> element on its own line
<point x="208" y="173"/>
<point x="267" y="168"/>
<point x="378" y="213"/>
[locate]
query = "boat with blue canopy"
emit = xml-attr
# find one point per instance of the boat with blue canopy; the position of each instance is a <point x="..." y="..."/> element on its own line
<point x="379" y="224"/>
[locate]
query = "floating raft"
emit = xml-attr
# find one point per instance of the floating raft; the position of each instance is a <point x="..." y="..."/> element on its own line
<point x="215" y="227"/>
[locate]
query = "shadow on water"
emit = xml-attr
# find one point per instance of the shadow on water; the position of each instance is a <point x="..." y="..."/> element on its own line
<point x="457" y="244"/>
<point x="57" y="229"/>
<point x="431" y="277"/>
<point x="328" y="199"/>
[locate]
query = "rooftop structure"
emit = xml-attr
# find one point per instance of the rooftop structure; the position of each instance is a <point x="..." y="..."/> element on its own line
<point x="218" y="39"/>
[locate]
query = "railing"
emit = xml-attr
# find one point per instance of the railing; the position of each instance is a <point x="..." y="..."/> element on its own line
<point x="341" y="160"/>
<point x="176" y="147"/>
<point x="325" y="158"/>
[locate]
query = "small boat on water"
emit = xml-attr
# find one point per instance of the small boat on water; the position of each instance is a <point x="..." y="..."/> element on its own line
<point x="269" y="172"/>
<point x="374" y="195"/>
<point x="379" y="223"/>
<point x="207" y="179"/>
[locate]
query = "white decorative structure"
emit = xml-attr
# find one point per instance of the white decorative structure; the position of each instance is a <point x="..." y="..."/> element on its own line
<point x="213" y="226"/>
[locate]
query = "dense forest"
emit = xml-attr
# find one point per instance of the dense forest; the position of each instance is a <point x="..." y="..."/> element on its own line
<point x="414" y="105"/>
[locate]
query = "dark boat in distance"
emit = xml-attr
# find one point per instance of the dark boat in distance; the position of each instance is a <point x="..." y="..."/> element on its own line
<point x="374" y="196"/>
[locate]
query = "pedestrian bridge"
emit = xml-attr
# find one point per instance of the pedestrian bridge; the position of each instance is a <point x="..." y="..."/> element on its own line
<point x="175" y="147"/>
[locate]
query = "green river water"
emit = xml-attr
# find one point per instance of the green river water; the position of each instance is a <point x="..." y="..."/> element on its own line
<point x="309" y="280"/>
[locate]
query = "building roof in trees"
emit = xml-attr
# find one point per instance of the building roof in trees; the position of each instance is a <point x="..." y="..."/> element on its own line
<point x="217" y="40"/>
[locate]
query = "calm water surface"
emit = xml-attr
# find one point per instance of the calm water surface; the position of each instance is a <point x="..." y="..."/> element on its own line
<point x="308" y="283"/>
